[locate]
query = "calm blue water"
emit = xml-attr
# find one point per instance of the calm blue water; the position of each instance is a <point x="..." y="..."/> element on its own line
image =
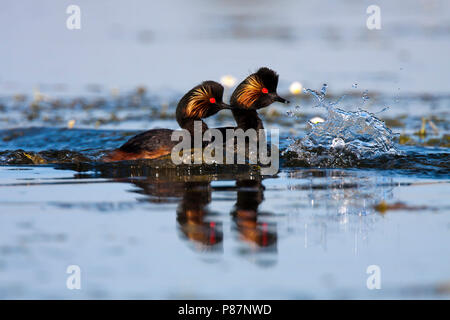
<point x="137" y="231"/>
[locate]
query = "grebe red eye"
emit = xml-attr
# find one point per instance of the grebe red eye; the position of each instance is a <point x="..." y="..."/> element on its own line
<point x="212" y="100"/>
<point x="264" y="90"/>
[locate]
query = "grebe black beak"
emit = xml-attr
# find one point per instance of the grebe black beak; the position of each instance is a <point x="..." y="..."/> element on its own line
<point x="280" y="99"/>
<point x="223" y="105"/>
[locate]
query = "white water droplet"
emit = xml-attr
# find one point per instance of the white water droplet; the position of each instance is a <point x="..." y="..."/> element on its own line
<point x="365" y="96"/>
<point x="338" y="143"/>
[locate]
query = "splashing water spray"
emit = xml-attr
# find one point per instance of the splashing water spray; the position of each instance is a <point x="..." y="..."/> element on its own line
<point x="344" y="138"/>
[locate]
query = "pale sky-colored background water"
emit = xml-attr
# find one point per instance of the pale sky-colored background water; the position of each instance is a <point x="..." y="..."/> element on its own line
<point x="175" y="44"/>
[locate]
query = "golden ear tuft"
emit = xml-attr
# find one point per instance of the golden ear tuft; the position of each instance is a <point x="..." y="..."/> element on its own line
<point x="250" y="91"/>
<point x="198" y="103"/>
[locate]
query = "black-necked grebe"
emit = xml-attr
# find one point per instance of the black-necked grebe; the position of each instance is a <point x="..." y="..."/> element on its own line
<point x="200" y="102"/>
<point x="258" y="90"/>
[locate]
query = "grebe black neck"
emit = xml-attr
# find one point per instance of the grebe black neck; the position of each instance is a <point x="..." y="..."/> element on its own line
<point x="247" y="119"/>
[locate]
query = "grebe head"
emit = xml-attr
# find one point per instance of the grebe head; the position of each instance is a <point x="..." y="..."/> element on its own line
<point x="257" y="91"/>
<point x="200" y="102"/>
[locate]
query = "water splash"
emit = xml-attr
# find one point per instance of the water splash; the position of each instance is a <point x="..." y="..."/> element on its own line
<point x="293" y="113"/>
<point x="365" y="97"/>
<point x="319" y="95"/>
<point x="344" y="138"/>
